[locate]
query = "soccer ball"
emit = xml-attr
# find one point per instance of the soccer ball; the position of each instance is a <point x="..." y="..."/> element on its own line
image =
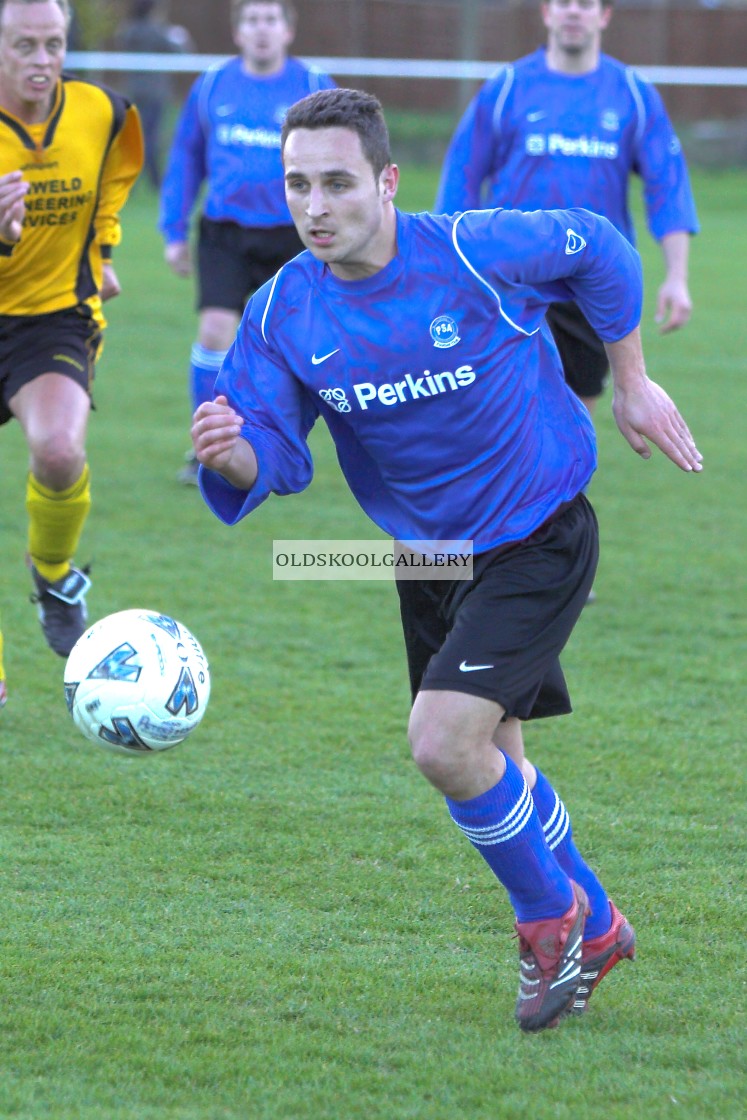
<point x="137" y="681"/>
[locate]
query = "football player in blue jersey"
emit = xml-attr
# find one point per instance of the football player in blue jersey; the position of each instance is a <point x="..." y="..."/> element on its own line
<point x="421" y="342"/>
<point x="228" y="137"/>
<point x="568" y="126"/>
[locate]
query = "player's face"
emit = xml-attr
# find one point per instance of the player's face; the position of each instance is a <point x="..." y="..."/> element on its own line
<point x="342" y="211"/>
<point x="263" y="36"/>
<point x="575" y="26"/>
<point x="32" y="51"/>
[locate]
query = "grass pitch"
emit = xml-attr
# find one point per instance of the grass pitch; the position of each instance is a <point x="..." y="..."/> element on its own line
<point x="276" y="920"/>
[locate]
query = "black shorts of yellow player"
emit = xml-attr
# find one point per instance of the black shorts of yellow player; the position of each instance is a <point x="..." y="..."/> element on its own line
<point x="65" y="342"/>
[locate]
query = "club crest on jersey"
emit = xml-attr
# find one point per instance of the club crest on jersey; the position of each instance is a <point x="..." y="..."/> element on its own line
<point x="610" y="120"/>
<point x="337" y="398"/>
<point x="444" y="332"/>
<point x="575" y="243"/>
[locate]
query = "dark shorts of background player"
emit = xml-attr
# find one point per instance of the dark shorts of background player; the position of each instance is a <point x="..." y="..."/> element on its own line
<point x="581" y="349"/>
<point x="515" y="616"/>
<point x="233" y="261"/>
<point x="65" y="342"/>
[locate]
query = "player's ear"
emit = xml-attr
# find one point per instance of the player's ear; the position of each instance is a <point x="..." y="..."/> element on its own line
<point x="388" y="182"/>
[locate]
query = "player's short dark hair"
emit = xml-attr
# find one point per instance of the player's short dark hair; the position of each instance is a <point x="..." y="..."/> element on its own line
<point x="63" y="5"/>
<point x="344" y="108"/>
<point x="288" y="7"/>
<point x="141" y="9"/>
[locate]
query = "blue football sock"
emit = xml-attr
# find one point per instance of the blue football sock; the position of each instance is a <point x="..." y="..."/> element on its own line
<point x="557" y="825"/>
<point x="203" y="370"/>
<point x="503" y="825"/>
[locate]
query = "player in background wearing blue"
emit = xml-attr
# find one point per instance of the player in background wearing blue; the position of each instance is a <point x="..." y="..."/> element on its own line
<point x="421" y="341"/>
<point x="228" y="137"/>
<point x="568" y="126"/>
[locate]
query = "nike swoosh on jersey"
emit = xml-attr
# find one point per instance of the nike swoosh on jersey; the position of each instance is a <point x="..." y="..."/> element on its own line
<point x="538" y="116"/>
<point x="318" y="361"/>
<point x="465" y="668"/>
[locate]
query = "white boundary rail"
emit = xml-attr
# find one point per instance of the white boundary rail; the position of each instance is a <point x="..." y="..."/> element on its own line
<point x="389" y="67"/>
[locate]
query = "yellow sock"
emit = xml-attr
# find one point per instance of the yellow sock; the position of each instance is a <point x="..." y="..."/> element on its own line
<point x="56" y="520"/>
<point x="2" y="667"/>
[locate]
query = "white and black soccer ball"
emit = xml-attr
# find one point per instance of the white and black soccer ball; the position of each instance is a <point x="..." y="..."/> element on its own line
<point x="137" y="682"/>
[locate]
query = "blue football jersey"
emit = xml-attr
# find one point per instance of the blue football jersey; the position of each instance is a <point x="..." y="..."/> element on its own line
<point x="534" y="139"/>
<point x="437" y="377"/>
<point x="228" y="134"/>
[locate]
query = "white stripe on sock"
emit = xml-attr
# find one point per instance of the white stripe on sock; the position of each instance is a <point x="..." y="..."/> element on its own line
<point x="556" y="833"/>
<point x="506" y="829"/>
<point x="207" y="359"/>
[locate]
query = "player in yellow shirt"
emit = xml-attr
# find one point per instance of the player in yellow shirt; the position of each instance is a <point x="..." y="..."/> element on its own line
<point x="69" y="154"/>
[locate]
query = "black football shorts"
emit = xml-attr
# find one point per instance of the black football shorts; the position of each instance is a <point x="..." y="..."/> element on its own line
<point x="233" y="261"/>
<point x="500" y="635"/>
<point x="64" y="342"/>
<point x="581" y="349"/>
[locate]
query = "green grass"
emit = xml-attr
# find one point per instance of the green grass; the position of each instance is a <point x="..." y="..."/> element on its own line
<point x="276" y="921"/>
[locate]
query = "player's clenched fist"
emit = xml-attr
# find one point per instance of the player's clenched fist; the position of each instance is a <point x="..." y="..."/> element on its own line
<point x="217" y="442"/>
<point x="13" y="190"/>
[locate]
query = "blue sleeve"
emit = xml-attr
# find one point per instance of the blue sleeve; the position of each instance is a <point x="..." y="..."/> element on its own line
<point x="185" y="171"/>
<point x="660" y="162"/>
<point x="471" y="157"/>
<point x="533" y="259"/>
<point x="278" y="416"/>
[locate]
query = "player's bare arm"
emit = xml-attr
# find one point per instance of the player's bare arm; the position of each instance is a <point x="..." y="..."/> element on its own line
<point x="13" y="190"/>
<point x="674" y="305"/>
<point x="110" y="285"/>
<point x="643" y="411"/>
<point x="216" y="438"/>
<point x="178" y="257"/>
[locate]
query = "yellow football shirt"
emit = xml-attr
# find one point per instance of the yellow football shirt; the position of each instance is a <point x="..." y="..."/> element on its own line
<point x="80" y="164"/>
